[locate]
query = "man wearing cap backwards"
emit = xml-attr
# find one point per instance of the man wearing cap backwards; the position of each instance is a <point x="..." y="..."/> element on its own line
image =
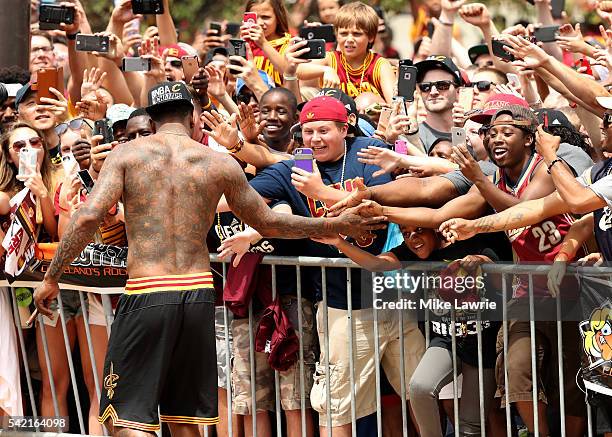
<point x="439" y="80"/>
<point x="324" y="130"/>
<point x="525" y="175"/>
<point x="163" y="335"/>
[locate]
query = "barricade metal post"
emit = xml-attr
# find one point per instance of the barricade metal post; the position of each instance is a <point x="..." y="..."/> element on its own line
<point x="43" y="335"/>
<point x="301" y="331"/>
<point x="481" y="399"/>
<point x="505" y="334"/>
<point x="228" y="349"/>
<point x="534" y="366"/>
<point x="24" y="355"/>
<point x="403" y="369"/>
<point x="453" y="328"/>
<point x="349" y="298"/>
<point x="276" y="374"/>
<point x="253" y="370"/>
<point x="92" y="356"/>
<point x="589" y="416"/>
<point x="325" y="308"/>
<point x="75" y="387"/>
<point x="561" y="373"/>
<point x="377" y="369"/>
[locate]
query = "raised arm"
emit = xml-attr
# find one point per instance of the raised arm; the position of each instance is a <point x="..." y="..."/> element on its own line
<point x="250" y="207"/>
<point x="521" y="215"/>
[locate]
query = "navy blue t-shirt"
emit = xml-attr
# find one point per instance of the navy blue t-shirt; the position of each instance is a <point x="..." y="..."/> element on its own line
<point x="275" y="183"/>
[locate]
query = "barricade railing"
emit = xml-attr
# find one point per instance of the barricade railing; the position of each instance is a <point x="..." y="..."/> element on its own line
<point x="324" y="264"/>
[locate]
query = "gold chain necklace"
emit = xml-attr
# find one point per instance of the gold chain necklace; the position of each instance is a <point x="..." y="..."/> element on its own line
<point x="350" y="71"/>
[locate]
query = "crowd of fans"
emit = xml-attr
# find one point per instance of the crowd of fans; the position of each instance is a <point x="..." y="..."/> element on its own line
<point x="515" y="141"/>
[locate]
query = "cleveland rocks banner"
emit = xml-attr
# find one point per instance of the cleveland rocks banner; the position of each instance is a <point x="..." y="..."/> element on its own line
<point x="99" y="266"/>
<point x="596" y="332"/>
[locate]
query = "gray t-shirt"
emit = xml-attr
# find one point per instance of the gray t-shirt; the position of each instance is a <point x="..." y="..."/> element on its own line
<point x="576" y="158"/>
<point x="428" y="136"/>
<point x="602" y="187"/>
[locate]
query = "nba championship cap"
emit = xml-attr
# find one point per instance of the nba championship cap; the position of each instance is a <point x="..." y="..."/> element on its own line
<point x="119" y="112"/>
<point x="555" y="118"/>
<point x="168" y="93"/>
<point x="493" y="104"/>
<point x="323" y="108"/>
<point x="438" y="62"/>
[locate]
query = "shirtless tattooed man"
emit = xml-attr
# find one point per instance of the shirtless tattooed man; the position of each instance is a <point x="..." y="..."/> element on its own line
<point x="161" y="349"/>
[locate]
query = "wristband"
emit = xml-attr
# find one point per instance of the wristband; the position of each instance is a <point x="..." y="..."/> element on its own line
<point x="445" y="23"/>
<point x="414" y="132"/>
<point x="208" y="105"/>
<point x="72" y="36"/>
<point x="238" y="147"/>
<point x="553" y="163"/>
<point x="285" y="77"/>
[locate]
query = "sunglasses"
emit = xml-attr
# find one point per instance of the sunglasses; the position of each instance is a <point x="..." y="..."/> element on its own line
<point x="35" y="142"/>
<point x="607" y="120"/>
<point x="75" y="124"/>
<point x="176" y="64"/>
<point x="441" y="85"/>
<point x="483" y="85"/>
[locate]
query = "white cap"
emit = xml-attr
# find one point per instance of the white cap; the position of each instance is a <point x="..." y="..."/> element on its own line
<point x="605" y="101"/>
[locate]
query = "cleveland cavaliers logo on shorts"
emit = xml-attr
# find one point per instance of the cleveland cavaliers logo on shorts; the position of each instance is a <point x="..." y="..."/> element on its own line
<point x="109" y="382"/>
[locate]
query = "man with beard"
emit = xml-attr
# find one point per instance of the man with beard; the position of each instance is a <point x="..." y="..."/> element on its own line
<point x="439" y="80"/>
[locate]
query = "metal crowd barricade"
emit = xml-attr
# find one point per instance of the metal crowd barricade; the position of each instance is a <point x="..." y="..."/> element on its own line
<point x="505" y="271"/>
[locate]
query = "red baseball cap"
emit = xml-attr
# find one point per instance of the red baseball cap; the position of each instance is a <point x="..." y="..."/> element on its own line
<point x="493" y="104"/>
<point x="173" y="51"/>
<point x="324" y="108"/>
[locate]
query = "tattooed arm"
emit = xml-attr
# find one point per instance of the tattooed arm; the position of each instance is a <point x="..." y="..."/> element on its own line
<point x="523" y="214"/>
<point x="83" y="224"/>
<point x="250" y="207"/>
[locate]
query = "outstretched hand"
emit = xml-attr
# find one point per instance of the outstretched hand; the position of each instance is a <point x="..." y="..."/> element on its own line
<point x="457" y="229"/>
<point x="352" y="200"/>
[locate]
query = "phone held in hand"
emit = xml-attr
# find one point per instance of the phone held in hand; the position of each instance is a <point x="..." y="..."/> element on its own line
<point x="324" y="31"/>
<point x="101" y="127"/>
<point x="191" y="66"/>
<point x="92" y="43"/>
<point x="401" y="147"/>
<point x="304" y="159"/>
<point x="406" y="81"/>
<point x="86" y="180"/>
<point x="49" y="78"/>
<point x="147" y="7"/>
<point x="215" y="26"/>
<point x="136" y="64"/>
<point x="237" y="47"/>
<point x="317" y="49"/>
<point x="499" y="50"/>
<point x="249" y="18"/>
<point x="457" y="136"/>
<point x="28" y="159"/>
<point x="466" y="98"/>
<point x="50" y="16"/>
<point x="546" y="33"/>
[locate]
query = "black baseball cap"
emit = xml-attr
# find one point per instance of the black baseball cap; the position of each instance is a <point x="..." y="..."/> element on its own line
<point x="167" y="93"/>
<point x="23" y="93"/>
<point x="213" y="52"/>
<point x="555" y="118"/>
<point x="475" y="51"/>
<point x="438" y="62"/>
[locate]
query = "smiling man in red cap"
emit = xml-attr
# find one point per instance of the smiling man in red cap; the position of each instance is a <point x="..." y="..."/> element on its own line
<point x="337" y="170"/>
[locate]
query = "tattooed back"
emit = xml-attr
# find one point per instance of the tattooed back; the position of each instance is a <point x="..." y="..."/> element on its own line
<point x="172" y="185"/>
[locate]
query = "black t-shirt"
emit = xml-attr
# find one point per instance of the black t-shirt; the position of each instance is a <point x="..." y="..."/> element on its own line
<point x="465" y="322"/>
<point x="275" y="183"/>
<point x="227" y="224"/>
